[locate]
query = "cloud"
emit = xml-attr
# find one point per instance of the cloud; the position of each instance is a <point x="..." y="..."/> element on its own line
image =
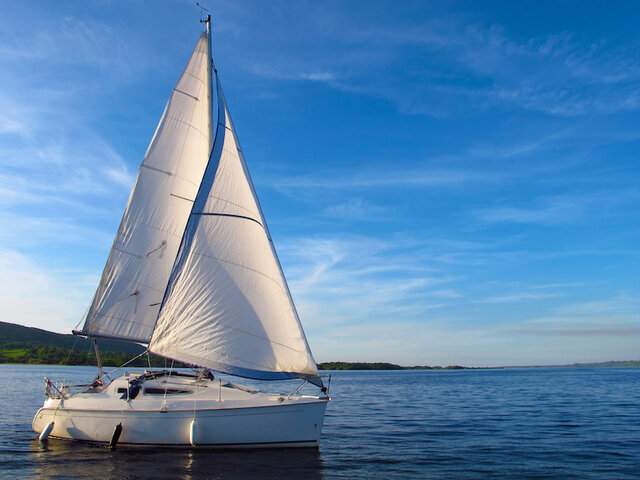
<point x="268" y="71"/>
<point x="622" y="305"/>
<point x="558" y="285"/>
<point x="61" y="171"/>
<point x="618" y="315"/>
<point x="74" y="41"/>
<point x="615" y="331"/>
<point x="357" y="209"/>
<point x="460" y="67"/>
<point x="391" y="178"/>
<point x="562" y="209"/>
<point x="357" y="276"/>
<point x="47" y="159"/>
<point x="22" y="231"/>
<point x="552" y="213"/>
<point x="520" y="297"/>
<point x="31" y="295"/>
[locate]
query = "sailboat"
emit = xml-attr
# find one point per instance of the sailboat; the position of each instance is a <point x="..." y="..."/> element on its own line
<point x="194" y="275"/>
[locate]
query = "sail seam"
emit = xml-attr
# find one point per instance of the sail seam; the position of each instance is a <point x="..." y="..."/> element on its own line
<point x="261" y="338"/>
<point x="205" y="135"/>
<point x="193" y="76"/>
<point x="168" y="232"/>
<point x="131" y="280"/>
<point x="241" y="266"/>
<point x="186" y="180"/>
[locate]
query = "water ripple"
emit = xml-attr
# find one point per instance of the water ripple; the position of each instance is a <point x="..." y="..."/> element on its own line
<point x="512" y="423"/>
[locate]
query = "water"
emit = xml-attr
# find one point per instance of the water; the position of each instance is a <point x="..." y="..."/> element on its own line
<point x="513" y="423"/>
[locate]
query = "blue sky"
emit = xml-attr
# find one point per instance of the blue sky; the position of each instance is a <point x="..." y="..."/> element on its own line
<point x="445" y="182"/>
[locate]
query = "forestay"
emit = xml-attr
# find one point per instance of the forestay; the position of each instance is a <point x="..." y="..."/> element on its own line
<point x="128" y="298"/>
<point x="227" y="306"/>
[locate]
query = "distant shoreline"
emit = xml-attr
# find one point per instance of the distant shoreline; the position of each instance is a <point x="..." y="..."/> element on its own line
<point x="337" y="366"/>
<point x="34" y="346"/>
<point x="392" y="366"/>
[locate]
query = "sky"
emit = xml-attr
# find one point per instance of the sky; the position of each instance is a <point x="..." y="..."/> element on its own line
<point x="445" y="182"/>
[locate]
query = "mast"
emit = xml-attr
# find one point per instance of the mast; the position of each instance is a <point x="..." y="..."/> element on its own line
<point x="210" y="75"/>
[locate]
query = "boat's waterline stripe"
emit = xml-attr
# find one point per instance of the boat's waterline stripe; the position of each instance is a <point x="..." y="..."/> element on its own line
<point x="187" y="445"/>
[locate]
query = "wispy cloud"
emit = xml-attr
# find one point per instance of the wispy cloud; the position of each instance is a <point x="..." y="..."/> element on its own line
<point x="615" y="316"/>
<point x="520" y="297"/>
<point x="22" y="231"/>
<point x="268" y="71"/>
<point x="75" y="42"/>
<point x="547" y="286"/>
<point x="360" y="277"/>
<point x="486" y="68"/>
<point x="61" y="296"/>
<point x="388" y="178"/>
<point x="551" y="213"/>
<point x="62" y="170"/>
<point x="615" y="331"/>
<point x="358" y="209"/>
<point x="560" y="209"/>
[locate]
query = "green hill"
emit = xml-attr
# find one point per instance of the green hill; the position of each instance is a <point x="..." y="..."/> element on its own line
<point x="20" y="344"/>
<point x="19" y="335"/>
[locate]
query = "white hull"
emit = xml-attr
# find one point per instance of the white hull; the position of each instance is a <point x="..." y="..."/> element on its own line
<point x="225" y="416"/>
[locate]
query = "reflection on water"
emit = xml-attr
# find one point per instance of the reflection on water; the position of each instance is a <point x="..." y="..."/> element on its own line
<point x="66" y="459"/>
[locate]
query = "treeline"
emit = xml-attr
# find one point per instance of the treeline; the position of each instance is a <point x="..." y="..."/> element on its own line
<point x="51" y="355"/>
<point x="358" y="366"/>
<point x="380" y="366"/>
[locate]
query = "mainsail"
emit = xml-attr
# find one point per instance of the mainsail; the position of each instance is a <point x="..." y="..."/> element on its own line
<point x="193" y="270"/>
<point x="227" y="305"/>
<point x="128" y="298"/>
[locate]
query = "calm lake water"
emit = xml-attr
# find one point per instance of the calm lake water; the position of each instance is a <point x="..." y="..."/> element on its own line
<point x="511" y="423"/>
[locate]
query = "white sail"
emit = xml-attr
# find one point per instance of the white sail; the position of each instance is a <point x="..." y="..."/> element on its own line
<point x="128" y="298"/>
<point x="227" y="305"/>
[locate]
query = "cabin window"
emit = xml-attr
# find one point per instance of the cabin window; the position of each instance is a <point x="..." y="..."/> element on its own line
<point x="162" y="391"/>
